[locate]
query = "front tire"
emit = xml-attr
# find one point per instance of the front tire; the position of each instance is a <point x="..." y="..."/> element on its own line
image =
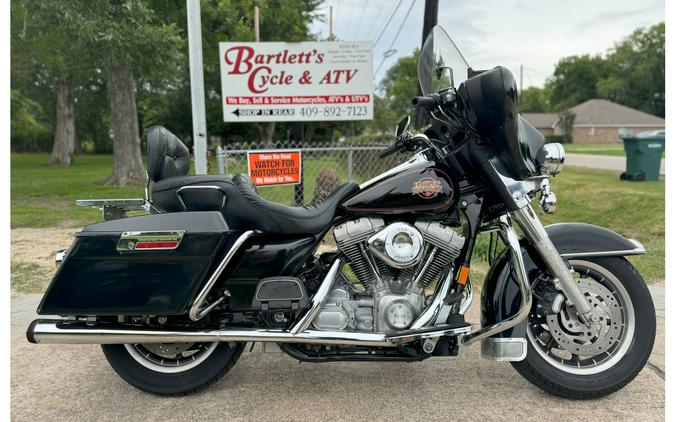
<point x="612" y="283"/>
<point x="172" y="369"/>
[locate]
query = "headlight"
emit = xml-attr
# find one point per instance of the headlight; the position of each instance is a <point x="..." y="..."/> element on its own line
<point x="554" y="158"/>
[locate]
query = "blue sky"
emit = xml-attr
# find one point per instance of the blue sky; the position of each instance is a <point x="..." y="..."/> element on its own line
<point x="535" y="34"/>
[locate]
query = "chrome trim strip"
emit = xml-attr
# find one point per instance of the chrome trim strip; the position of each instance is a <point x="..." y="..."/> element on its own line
<point x="184" y="188"/>
<point x="129" y="240"/>
<point x="635" y="251"/>
<point x="318" y="299"/>
<point x="196" y="312"/>
<point x="523" y="283"/>
<point x="417" y="158"/>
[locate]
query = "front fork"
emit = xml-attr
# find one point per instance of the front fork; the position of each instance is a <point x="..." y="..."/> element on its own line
<point x="563" y="279"/>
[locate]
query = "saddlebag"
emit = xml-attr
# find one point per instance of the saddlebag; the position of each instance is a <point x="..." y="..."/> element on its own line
<point x="145" y="265"/>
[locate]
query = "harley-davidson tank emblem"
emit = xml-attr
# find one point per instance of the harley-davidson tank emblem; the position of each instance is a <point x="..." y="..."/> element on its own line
<point x="427" y="188"/>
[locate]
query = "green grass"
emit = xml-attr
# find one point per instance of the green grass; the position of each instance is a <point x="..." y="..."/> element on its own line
<point x="596" y="149"/>
<point x="43" y="196"/>
<point x="599" y="149"/>
<point x="28" y="278"/>
<point x="633" y="209"/>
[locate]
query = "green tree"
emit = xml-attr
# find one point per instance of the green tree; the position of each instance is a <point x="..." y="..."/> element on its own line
<point x="121" y="38"/>
<point x="47" y="64"/>
<point x="575" y="79"/>
<point x="534" y="100"/>
<point x="399" y="86"/>
<point x="637" y="69"/>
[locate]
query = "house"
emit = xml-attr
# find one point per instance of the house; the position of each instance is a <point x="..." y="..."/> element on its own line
<point x="598" y="121"/>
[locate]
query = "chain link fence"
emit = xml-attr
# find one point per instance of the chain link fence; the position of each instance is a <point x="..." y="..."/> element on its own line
<point x="325" y="166"/>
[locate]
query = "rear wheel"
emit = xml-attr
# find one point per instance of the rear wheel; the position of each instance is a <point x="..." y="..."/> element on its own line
<point x="567" y="358"/>
<point x="172" y="368"/>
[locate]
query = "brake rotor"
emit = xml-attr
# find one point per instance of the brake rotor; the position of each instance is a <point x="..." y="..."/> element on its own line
<point x="574" y="336"/>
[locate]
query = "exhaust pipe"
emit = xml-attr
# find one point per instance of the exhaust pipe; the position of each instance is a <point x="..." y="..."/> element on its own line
<point x="60" y="332"/>
<point x="43" y="331"/>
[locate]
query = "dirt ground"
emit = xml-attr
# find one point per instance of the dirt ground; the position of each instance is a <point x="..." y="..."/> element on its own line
<point x="33" y="252"/>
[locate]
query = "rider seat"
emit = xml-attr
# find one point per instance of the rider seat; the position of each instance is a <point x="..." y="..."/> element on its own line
<point x="235" y="196"/>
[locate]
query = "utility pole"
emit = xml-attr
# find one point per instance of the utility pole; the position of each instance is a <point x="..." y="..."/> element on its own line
<point x="194" y="22"/>
<point x="330" y="23"/>
<point x="256" y="23"/>
<point x="430" y="20"/>
<point x="520" y="87"/>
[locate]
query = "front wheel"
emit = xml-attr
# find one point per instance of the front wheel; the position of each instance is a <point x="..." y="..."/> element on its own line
<point x="567" y="358"/>
<point x="170" y="369"/>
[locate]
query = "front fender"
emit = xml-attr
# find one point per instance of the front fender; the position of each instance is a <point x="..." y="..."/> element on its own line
<point x="500" y="297"/>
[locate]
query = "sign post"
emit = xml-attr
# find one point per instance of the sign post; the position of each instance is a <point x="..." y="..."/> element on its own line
<point x="194" y="22"/>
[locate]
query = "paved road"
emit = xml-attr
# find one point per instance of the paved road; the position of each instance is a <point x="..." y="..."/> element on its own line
<point x="74" y="382"/>
<point x="603" y="162"/>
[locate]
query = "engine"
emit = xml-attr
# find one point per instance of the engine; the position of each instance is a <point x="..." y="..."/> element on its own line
<point x="394" y="264"/>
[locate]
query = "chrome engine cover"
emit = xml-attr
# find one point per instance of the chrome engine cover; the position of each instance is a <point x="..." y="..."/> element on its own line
<point x="393" y="294"/>
<point x="384" y="245"/>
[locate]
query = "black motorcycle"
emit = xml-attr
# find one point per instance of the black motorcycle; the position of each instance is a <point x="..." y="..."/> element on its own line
<point x="174" y="296"/>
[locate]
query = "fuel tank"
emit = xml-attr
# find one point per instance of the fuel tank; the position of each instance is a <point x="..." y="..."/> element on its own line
<point x="416" y="186"/>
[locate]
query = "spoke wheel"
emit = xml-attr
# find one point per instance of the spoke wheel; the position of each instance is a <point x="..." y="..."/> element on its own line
<point x="170" y="357"/>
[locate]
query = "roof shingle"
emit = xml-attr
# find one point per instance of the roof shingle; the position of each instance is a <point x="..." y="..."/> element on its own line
<point x="604" y="112"/>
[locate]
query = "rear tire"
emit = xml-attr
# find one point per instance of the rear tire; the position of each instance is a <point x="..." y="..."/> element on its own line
<point x="147" y="374"/>
<point x="598" y="380"/>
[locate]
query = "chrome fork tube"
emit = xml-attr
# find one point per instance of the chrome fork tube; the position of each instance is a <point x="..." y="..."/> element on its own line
<point x="536" y="233"/>
<point x="513" y="244"/>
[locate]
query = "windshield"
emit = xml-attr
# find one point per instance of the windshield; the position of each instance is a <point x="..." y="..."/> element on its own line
<point x="441" y="65"/>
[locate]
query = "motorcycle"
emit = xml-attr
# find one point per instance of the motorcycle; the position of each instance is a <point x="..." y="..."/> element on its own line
<point x="174" y="295"/>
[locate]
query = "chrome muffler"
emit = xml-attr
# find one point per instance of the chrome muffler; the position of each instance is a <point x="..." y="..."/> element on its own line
<point x="69" y="332"/>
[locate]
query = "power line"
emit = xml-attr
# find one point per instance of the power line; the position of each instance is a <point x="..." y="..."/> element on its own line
<point x="412" y="3"/>
<point x="387" y="24"/>
<point x="377" y="17"/>
<point x="358" y="27"/>
<point x="349" y="21"/>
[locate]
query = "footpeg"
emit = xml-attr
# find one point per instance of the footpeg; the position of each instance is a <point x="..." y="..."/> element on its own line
<point x="504" y="349"/>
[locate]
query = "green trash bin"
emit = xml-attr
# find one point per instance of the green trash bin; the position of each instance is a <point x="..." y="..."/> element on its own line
<point x="643" y="155"/>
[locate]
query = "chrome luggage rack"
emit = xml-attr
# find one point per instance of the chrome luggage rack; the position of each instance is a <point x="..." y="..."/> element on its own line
<point x="114" y="209"/>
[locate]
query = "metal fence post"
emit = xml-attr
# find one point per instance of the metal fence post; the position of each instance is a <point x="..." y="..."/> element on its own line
<point x="220" y="162"/>
<point x="350" y="164"/>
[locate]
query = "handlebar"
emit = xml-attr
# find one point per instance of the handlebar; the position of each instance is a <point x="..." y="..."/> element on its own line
<point x="425" y="102"/>
<point x="389" y="150"/>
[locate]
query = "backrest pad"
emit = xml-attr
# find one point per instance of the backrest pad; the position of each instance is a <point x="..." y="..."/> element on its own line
<point x="167" y="155"/>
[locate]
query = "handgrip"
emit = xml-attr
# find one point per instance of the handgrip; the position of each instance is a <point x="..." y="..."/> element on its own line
<point x="424" y="102"/>
<point x="389" y="150"/>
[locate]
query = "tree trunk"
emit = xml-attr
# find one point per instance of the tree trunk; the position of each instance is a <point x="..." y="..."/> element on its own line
<point x="127" y="164"/>
<point x="64" y="136"/>
<point x="265" y="132"/>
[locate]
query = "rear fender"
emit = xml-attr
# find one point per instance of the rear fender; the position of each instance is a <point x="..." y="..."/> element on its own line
<point x="500" y="297"/>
